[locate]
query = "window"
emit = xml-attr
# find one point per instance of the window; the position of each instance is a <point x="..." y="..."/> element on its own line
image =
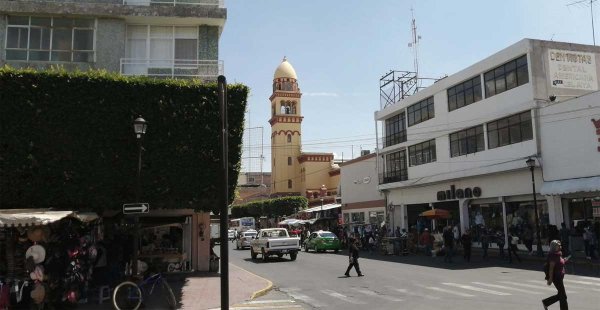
<point x="420" y="111"/>
<point x="395" y="167"/>
<point x="162" y="44"/>
<point x="395" y="129"/>
<point x="289" y="161"/>
<point x="50" y="39"/>
<point x="422" y="153"/>
<point x="289" y="183"/>
<point x="513" y="129"/>
<point x="467" y="141"/>
<point x="464" y="93"/>
<point x="289" y="138"/>
<point x="507" y="76"/>
<point x="357" y="217"/>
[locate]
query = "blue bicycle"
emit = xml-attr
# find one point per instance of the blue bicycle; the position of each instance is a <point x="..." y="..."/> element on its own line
<point x="129" y="295"/>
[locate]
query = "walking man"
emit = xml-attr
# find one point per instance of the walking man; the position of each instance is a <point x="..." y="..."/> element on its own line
<point x="448" y="244"/>
<point x="485" y="243"/>
<point x="353" y="258"/>
<point x="466" y="243"/>
<point x="555" y="274"/>
<point x="512" y="247"/>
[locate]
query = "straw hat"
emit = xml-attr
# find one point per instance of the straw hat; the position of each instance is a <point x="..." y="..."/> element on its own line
<point x="39" y="293"/>
<point x="37" y="234"/>
<point x="37" y="273"/>
<point x="37" y="252"/>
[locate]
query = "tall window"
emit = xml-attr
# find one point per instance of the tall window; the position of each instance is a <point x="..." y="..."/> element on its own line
<point x="507" y="76"/>
<point x="162" y="43"/>
<point x="289" y="138"/>
<point x="464" y="93"/>
<point x="467" y="141"/>
<point x="289" y="161"/>
<point x="422" y="153"/>
<point x="513" y="129"/>
<point x="395" y="167"/>
<point x="395" y="129"/>
<point x="420" y="111"/>
<point x="31" y="38"/>
<point x="289" y="183"/>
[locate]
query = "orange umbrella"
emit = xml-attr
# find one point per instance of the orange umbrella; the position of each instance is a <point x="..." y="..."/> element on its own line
<point x="436" y="214"/>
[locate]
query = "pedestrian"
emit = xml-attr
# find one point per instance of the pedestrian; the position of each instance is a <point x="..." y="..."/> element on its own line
<point x="448" y="244"/>
<point x="371" y="244"/>
<point x="565" y="239"/>
<point x="555" y="273"/>
<point x="485" y="242"/>
<point x="353" y="258"/>
<point x="465" y="239"/>
<point x="427" y="241"/>
<point x="500" y="242"/>
<point x="528" y="238"/>
<point x="456" y="234"/>
<point x="587" y="240"/>
<point x="512" y="247"/>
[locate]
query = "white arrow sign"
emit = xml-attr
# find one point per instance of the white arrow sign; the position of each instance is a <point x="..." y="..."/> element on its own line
<point x="130" y="208"/>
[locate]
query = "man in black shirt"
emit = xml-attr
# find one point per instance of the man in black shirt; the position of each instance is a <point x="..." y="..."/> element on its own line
<point x="448" y="244"/>
<point x="353" y="258"/>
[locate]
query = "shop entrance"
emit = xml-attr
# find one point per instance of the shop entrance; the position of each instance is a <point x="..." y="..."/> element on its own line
<point x="485" y="219"/>
<point x="414" y="221"/>
<point x="452" y="207"/>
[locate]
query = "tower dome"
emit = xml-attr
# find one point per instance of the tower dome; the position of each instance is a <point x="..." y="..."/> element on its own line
<point x="285" y="70"/>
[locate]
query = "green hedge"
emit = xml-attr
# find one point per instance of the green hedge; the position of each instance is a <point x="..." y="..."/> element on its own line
<point x="67" y="140"/>
<point x="270" y="208"/>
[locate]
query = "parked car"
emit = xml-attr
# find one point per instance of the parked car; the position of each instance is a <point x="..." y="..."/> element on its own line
<point x="230" y="234"/>
<point x="245" y="239"/>
<point x="320" y="241"/>
<point x="274" y="241"/>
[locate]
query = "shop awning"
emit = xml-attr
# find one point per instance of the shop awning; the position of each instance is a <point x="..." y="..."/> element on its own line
<point x="591" y="184"/>
<point x="291" y="222"/>
<point x="35" y="217"/>
<point x="325" y="207"/>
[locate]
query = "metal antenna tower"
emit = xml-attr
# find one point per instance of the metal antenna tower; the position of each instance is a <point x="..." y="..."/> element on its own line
<point x="252" y="153"/>
<point x="591" y="4"/>
<point x="414" y="44"/>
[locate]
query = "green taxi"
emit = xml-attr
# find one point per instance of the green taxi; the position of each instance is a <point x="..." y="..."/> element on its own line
<point x="320" y="241"/>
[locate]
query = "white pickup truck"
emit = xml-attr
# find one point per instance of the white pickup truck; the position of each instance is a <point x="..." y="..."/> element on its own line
<point x="274" y="241"/>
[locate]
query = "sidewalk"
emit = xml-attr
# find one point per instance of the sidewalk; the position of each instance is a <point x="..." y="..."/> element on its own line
<point x="202" y="290"/>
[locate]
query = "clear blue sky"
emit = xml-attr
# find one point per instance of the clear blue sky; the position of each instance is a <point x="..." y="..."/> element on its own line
<point x="341" y="48"/>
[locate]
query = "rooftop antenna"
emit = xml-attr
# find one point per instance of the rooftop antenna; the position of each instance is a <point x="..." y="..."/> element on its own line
<point x="591" y="3"/>
<point x="415" y="46"/>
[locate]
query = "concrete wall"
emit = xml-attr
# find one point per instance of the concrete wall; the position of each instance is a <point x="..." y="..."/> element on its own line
<point x="359" y="181"/>
<point x="208" y="42"/>
<point x="569" y="141"/>
<point x="110" y="43"/>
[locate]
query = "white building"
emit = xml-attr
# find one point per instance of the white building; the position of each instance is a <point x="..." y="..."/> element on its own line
<point x="462" y="143"/>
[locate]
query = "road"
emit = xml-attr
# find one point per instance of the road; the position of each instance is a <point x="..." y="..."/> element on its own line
<point x="317" y="281"/>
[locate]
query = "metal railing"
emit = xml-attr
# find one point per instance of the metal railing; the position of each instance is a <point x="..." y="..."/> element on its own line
<point x="392" y="176"/>
<point x="220" y="3"/>
<point x="172" y="68"/>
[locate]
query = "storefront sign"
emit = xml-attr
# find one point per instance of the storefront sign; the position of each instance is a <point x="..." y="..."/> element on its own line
<point x="460" y="193"/>
<point x="597" y="125"/>
<point x="572" y="70"/>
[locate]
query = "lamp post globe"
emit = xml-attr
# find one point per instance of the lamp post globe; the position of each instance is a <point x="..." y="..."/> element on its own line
<point x="531" y="164"/>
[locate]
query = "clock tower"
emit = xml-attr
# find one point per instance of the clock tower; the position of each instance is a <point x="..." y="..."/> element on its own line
<point x="286" y="132"/>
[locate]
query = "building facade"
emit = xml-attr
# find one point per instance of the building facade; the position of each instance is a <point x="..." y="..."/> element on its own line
<point x="166" y="38"/>
<point x="462" y="143"/>
<point x="296" y="173"/>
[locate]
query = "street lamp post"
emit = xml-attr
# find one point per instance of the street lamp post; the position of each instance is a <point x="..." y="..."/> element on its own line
<point x="531" y="164"/>
<point x="139" y="127"/>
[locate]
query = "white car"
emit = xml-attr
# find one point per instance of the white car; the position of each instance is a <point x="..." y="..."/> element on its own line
<point x="245" y="238"/>
<point x="230" y="234"/>
<point x="274" y="241"/>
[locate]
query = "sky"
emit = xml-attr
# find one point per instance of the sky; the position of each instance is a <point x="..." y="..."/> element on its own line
<point x="340" y="49"/>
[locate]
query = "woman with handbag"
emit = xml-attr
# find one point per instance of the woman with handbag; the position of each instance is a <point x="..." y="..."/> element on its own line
<point x="555" y="266"/>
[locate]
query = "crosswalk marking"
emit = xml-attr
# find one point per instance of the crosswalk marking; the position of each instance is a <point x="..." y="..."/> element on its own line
<point x="529" y="286"/>
<point x="407" y="292"/>
<point x="372" y="293"/>
<point x="269" y="301"/>
<point x="267" y="307"/>
<point x="582" y="282"/>
<point x="588" y="278"/>
<point x="293" y="292"/>
<point x="477" y="289"/>
<point x="508" y="288"/>
<point x="433" y="288"/>
<point x="571" y="286"/>
<point x="342" y="297"/>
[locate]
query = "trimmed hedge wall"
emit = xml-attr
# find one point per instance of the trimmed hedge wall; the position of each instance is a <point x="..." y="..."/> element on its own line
<point x="67" y="140"/>
<point x="271" y="208"/>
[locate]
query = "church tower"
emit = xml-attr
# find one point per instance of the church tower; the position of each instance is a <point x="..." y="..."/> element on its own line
<point x="285" y="132"/>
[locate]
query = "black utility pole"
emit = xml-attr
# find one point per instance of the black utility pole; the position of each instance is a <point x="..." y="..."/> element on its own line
<point x="531" y="164"/>
<point x="139" y="127"/>
<point x="224" y="195"/>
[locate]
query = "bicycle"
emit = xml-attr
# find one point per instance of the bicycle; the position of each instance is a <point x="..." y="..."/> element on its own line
<point x="129" y="296"/>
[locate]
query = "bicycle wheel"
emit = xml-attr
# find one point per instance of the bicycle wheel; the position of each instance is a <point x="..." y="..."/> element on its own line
<point x="127" y="296"/>
<point x="168" y="292"/>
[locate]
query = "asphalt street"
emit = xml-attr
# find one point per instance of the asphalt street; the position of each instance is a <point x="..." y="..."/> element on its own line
<point x="317" y="281"/>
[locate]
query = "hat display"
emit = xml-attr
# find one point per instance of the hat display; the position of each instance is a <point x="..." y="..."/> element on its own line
<point x="38" y="294"/>
<point x="37" y="252"/>
<point x="36" y="234"/>
<point x="37" y="273"/>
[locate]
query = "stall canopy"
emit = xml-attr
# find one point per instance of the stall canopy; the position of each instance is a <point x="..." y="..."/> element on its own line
<point x="325" y="207"/>
<point x="34" y="217"/>
<point x="291" y="222"/>
<point x="569" y="186"/>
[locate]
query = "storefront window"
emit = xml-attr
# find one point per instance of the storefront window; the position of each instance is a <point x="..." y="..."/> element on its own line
<point x="520" y="218"/>
<point x="485" y="218"/>
<point x="358" y="217"/>
<point x="581" y="212"/>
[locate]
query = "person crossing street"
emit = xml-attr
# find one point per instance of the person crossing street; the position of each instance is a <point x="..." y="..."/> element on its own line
<point x="353" y="258"/>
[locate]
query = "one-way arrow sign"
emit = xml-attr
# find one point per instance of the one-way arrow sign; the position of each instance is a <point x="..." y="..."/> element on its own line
<point x="130" y="208"/>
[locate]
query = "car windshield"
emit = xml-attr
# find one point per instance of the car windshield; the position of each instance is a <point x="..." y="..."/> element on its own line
<point x="275" y="234"/>
<point x="252" y="234"/>
<point x="327" y="235"/>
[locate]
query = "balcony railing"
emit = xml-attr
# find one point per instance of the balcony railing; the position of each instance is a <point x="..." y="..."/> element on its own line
<point x="392" y="176"/>
<point x="172" y="68"/>
<point x="220" y="3"/>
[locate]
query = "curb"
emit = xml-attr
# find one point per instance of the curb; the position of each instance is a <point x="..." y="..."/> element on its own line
<point x="260" y="292"/>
